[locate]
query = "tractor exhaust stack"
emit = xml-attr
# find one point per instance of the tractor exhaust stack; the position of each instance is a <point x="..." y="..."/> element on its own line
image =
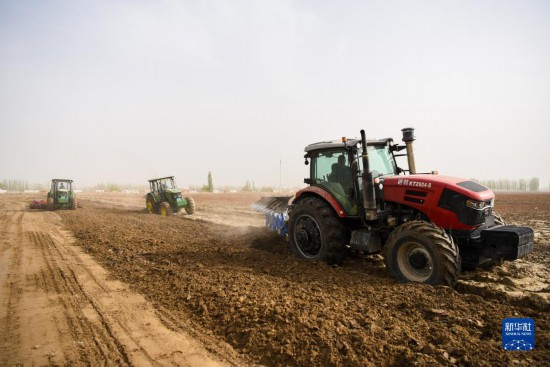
<point x="369" y="200"/>
<point x="408" y="138"/>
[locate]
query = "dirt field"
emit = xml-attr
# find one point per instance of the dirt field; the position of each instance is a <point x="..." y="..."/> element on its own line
<point x="110" y="284"/>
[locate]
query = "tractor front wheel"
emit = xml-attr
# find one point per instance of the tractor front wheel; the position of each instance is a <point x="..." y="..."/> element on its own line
<point x="190" y="207"/>
<point x="165" y="209"/>
<point x="315" y="232"/>
<point x="421" y="252"/>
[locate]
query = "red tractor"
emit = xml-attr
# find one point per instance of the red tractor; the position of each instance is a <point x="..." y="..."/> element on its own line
<point x="428" y="227"/>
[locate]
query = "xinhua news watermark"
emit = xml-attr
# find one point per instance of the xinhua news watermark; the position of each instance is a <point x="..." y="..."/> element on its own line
<point x="518" y="334"/>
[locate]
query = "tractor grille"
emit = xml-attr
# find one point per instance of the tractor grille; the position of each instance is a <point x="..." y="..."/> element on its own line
<point x="456" y="203"/>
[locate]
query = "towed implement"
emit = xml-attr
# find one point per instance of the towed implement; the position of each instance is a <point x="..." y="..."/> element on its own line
<point x="428" y="227"/>
<point x="165" y="198"/>
<point x="275" y="212"/>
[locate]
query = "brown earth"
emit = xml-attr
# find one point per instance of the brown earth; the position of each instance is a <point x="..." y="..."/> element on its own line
<point x="222" y="283"/>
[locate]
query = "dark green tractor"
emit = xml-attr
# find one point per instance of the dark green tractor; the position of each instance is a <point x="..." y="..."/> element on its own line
<point x="165" y="198"/>
<point x="61" y="195"/>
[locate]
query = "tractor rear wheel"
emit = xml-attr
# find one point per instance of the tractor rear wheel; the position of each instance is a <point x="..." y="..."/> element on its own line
<point x="49" y="203"/>
<point x="190" y="207"/>
<point x="421" y="252"/>
<point x="315" y="232"/>
<point x="73" y="204"/>
<point x="165" y="209"/>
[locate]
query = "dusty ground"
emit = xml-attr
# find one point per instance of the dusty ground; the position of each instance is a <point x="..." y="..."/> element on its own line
<point x="57" y="306"/>
<point x="233" y="288"/>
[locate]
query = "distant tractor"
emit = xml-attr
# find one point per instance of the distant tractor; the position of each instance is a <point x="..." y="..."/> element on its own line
<point x="427" y="227"/>
<point x="61" y="195"/>
<point x="165" y="198"/>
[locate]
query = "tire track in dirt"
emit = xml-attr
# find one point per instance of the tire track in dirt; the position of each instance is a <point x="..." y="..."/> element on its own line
<point x="58" y="307"/>
<point x="11" y="259"/>
<point x="97" y="342"/>
<point x="106" y="326"/>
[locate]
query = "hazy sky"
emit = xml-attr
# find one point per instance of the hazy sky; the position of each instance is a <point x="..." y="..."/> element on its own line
<point x="122" y="91"/>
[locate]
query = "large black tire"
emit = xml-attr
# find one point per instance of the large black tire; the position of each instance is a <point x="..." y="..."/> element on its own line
<point x="74" y="204"/>
<point x="315" y="232"/>
<point x="49" y="203"/>
<point x="190" y="207"/>
<point x="421" y="252"/>
<point x="165" y="209"/>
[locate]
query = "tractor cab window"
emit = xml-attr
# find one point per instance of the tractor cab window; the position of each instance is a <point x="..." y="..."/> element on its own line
<point x="332" y="171"/>
<point x="167" y="184"/>
<point x="381" y="161"/>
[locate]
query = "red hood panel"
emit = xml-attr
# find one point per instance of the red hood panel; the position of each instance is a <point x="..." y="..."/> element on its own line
<point x="433" y="182"/>
<point x="423" y="192"/>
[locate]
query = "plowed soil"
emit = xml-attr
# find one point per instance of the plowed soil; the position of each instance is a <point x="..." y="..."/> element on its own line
<point x="221" y="282"/>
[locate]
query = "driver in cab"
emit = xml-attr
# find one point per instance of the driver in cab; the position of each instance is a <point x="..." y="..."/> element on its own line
<point x="341" y="173"/>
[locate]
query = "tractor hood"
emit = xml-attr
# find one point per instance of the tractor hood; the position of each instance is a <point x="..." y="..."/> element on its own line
<point x="450" y="202"/>
<point x="432" y="183"/>
<point x="173" y="191"/>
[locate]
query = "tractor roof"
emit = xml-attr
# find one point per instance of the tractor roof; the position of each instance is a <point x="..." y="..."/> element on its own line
<point x="61" y="180"/>
<point x="161" y="178"/>
<point x="338" y="144"/>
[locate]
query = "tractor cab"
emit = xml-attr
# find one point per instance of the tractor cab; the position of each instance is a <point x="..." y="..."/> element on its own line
<point x="163" y="184"/>
<point x="334" y="167"/>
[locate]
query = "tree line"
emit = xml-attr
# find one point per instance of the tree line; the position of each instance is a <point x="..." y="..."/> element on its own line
<point x="501" y="184"/>
<point x="504" y="184"/>
<point x="19" y="185"/>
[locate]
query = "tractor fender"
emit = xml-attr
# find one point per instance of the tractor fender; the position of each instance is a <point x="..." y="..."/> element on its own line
<point x="323" y="194"/>
<point x="154" y="197"/>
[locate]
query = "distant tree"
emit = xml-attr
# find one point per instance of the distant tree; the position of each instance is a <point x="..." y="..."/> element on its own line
<point x="247" y="187"/>
<point x="3" y="185"/>
<point x="534" y="184"/>
<point x="112" y="187"/>
<point x="210" y="182"/>
<point x="40" y="187"/>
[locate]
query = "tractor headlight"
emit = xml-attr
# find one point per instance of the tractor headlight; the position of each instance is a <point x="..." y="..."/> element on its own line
<point x="474" y="204"/>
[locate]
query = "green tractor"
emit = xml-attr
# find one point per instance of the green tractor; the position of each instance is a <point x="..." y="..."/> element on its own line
<point x="165" y="197"/>
<point x="61" y="195"/>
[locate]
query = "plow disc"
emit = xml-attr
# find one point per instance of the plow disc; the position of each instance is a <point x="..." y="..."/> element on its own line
<point x="275" y="209"/>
